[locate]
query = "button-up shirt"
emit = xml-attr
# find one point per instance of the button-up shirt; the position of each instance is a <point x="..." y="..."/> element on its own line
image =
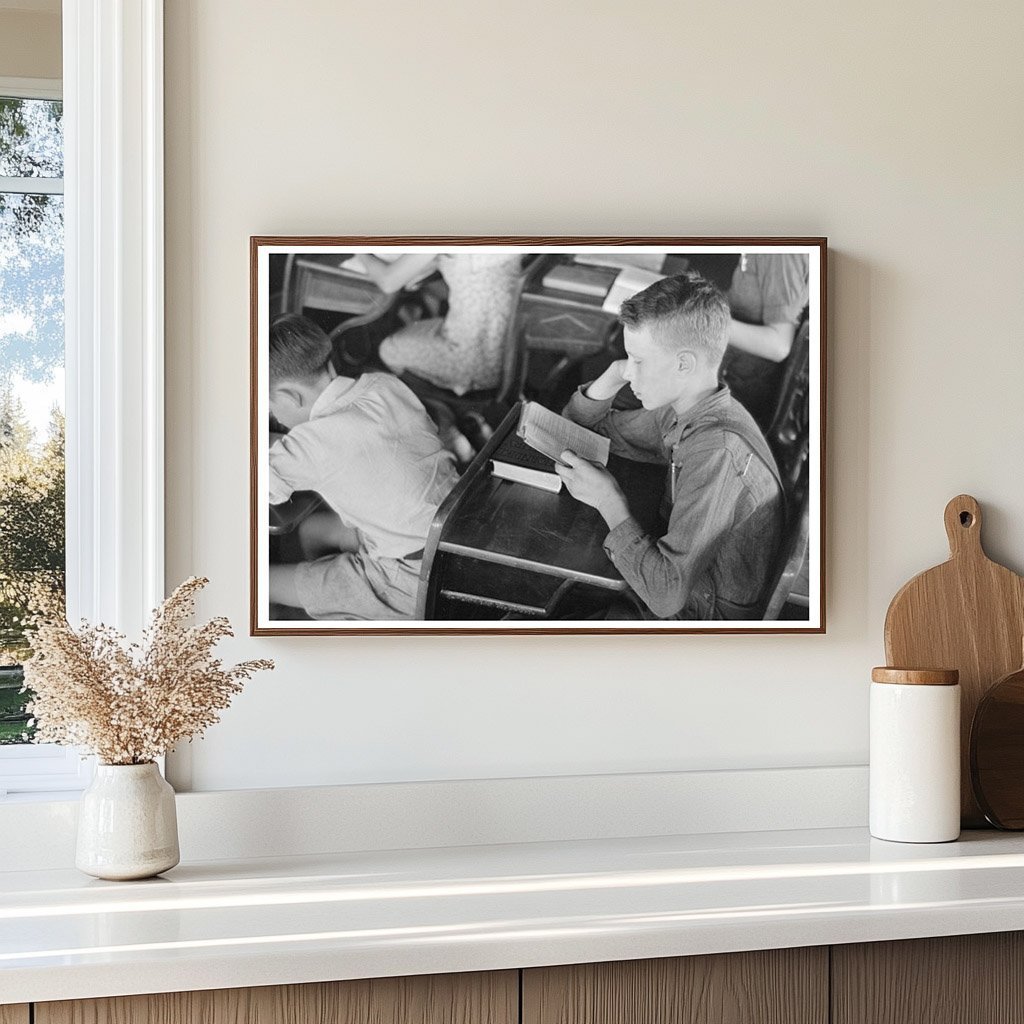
<point x="370" y="450"/>
<point x="723" y="503"/>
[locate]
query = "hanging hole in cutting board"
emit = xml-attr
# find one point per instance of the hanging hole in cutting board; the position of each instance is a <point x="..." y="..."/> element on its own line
<point x="966" y="519"/>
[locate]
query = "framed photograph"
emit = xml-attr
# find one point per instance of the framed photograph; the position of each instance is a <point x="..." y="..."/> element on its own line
<point x="537" y="435"/>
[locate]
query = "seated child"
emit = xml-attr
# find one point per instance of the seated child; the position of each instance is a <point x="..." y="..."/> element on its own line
<point x="723" y="500"/>
<point x="767" y="298"/>
<point x="465" y="350"/>
<point x="369" y="449"/>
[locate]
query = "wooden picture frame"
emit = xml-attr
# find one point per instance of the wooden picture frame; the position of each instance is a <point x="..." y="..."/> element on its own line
<point x="419" y="359"/>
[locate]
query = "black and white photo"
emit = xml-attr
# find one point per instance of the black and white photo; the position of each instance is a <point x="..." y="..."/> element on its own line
<point x="537" y="435"/>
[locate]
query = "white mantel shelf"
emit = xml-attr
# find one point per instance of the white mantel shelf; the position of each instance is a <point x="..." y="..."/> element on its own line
<point x="224" y="924"/>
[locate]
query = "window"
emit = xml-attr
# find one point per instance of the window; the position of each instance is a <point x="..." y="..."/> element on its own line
<point x="32" y="534"/>
<point x="31" y="381"/>
<point x="113" y="336"/>
<point x="32" y="548"/>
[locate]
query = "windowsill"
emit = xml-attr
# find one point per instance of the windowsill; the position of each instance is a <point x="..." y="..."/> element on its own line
<point x="388" y="913"/>
<point x="43" y="796"/>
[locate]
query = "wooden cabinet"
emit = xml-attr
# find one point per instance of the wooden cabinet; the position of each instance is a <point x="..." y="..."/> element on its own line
<point x="969" y="979"/>
<point x="491" y="998"/>
<point x="778" y="986"/>
<point x="963" y="979"/>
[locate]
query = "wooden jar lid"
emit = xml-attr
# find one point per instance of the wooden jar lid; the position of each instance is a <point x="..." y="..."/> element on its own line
<point x="917" y="676"/>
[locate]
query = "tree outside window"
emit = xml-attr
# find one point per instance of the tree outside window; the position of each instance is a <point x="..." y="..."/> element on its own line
<point x="32" y="545"/>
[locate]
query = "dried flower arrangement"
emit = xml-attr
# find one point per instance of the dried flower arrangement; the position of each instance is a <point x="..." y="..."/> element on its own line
<point x="129" y="704"/>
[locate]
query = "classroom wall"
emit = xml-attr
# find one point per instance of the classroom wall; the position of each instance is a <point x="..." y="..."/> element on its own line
<point x="894" y="129"/>
<point x="30" y="43"/>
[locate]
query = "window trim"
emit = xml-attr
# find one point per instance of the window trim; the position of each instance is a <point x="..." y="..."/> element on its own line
<point x="32" y="88"/>
<point x="32" y="186"/>
<point x="114" y="331"/>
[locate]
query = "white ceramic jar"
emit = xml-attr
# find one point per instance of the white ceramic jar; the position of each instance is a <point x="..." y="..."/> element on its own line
<point x="915" y="755"/>
<point x="127" y="823"/>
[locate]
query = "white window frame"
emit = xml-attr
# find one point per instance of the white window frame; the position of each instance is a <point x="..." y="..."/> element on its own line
<point x="114" y="335"/>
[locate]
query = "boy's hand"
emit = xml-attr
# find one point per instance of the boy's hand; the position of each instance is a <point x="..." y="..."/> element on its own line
<point x="595" y="486"/>
<point x="609" y="383"/>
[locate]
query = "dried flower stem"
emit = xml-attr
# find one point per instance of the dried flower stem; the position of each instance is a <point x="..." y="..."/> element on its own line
<point x="130" y="703"/>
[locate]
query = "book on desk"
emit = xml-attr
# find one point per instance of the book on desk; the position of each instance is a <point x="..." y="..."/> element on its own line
<point x="529" y="454"/>
<point x="611" y="285"/>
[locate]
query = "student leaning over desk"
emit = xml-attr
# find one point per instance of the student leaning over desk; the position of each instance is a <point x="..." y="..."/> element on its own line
<point x="723" y="500"/>
<point x="369" y="449"/>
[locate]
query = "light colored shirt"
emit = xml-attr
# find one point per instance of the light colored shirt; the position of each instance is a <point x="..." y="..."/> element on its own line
<point x="373" y="454"/>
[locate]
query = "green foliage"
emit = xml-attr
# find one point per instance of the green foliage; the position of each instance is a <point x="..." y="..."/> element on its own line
<point x="14" y="727"/>
<point x="31" y="524"/>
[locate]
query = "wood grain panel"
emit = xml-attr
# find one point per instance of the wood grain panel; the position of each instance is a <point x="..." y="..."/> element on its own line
<point x="14" y="1014"/>
<point x="481" y="998"/>
<point x="962" y="979"/>
<point x="779" y="986"/>
<point x="967" y="614"/>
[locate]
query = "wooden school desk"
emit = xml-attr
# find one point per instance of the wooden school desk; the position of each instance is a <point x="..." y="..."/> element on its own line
<point x="501" y="549"/>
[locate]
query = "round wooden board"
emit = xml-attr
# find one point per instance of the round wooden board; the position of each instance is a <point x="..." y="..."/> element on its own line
<point x="997" y="752"/>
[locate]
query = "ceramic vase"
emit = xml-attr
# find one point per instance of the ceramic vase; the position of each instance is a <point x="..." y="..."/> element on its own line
<point x="127" y="825"/>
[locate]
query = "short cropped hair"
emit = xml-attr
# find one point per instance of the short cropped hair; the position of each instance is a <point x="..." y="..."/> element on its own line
<point x="299" y="349"/>
<point x="684" y="311"/>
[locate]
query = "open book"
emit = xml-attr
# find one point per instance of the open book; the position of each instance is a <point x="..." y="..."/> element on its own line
<point x="529" y="455"/>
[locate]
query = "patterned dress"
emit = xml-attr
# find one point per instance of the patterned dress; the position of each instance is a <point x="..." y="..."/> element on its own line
<point x="465" y="350"/>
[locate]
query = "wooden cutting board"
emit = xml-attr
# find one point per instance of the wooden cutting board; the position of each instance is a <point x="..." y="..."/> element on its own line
<point x="967" y="614"/>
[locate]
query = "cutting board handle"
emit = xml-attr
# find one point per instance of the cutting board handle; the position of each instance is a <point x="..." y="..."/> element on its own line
<point x="963" y="527"/>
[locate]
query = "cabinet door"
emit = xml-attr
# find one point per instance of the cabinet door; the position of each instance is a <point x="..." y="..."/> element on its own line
<point x="779" y="986"/>
<point x="962" y="979"/>
<point x="14" y="1014"/>
<point x="482" y="998"/>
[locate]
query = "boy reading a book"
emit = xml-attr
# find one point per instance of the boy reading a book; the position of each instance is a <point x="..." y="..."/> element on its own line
<point x="369" y="449"/>
<point x="723" y="500"/>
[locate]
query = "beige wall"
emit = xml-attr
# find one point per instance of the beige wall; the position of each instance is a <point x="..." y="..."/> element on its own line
<point x="29" y="44"/>
<point x="894" y="129"/>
